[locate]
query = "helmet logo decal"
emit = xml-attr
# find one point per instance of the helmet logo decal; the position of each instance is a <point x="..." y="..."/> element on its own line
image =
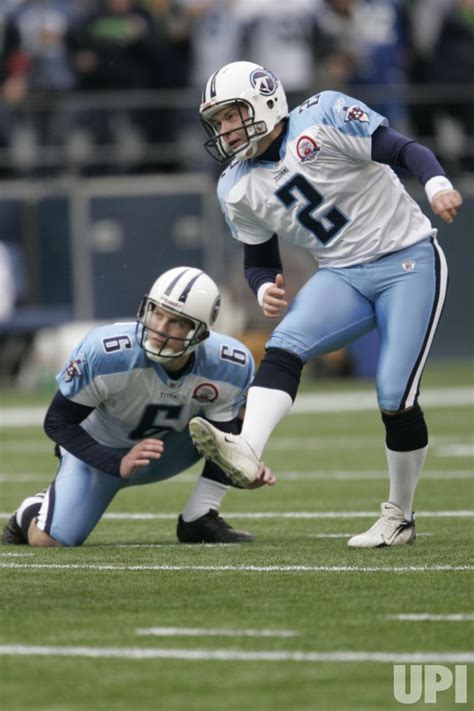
<point x="307" y="149"/>
<point x="205" y="392"/>
<point x="264" y="82"/>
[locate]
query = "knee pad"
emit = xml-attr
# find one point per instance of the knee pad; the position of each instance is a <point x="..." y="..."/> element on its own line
<point x="406" y="430"/>
<point x="279" y="370"/>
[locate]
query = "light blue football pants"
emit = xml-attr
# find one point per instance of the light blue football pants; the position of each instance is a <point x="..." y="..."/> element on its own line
<point x="80" y="494"/>
<point x="401" y="294"/>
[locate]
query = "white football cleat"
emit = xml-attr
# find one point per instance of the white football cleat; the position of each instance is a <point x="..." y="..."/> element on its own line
<point x="391" y="529"/>
<point x="232" y="453"/>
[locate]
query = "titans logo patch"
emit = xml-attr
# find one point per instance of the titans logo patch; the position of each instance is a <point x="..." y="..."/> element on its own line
<point x="73" y="370"/>
<point x="355" y="113"/>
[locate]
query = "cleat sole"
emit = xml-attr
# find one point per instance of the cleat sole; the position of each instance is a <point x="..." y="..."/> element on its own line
<point x="205" y="443"/>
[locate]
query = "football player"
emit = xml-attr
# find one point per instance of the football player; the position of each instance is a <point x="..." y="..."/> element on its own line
<point x="321" y="178"/>
<point x="120" y="416"/>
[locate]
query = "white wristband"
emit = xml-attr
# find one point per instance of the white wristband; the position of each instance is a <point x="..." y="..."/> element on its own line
<point x="436" y="185"/>
<point x="261" y="290"/>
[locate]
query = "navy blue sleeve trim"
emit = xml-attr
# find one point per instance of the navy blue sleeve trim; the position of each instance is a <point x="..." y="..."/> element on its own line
<point x="393" y="148"/>
<point x="262" y="262"/>
<point x="62" y="425"/>
<point x="213" y="471"/>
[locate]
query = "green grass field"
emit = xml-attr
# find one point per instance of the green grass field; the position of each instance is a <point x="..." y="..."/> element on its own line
<point x="293" y="621"/>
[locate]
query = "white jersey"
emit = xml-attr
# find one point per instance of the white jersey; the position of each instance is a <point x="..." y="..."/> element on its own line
<point x="134" y="397"/>
<point x="325" y="194"/>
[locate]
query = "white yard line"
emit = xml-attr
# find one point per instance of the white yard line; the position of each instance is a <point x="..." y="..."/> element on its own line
<point x="443" y="445"/>
<point x="243" y="568"/>
<point x="455" y="450"/>
<point x="349" y="535"/>
<point x="356" y="401"/>
<point x="21" y="416"/>
<point x="464" y="448"/>
<point x="275" y="514"/>
<point x="16" y="555"/>
<point x="427" y="617"/>
<point x="366" y="475"/>
<point x="335" y="535"/>
<point x="350" y="401"/>
<point x="378" y="474"/>
<point x="24" y="477"/>
<point x="294" y="514"/>
<point x="211" y="632"/>
<point x="226" y="655"/>
<point x="29" y="447"/>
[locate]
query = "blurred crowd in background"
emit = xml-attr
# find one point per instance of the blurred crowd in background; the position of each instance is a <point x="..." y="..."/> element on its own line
<point x="98" y="87"/>
<point x="112" y="88"/>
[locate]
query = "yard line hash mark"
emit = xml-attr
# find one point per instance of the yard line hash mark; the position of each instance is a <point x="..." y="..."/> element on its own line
<point x="211" y="632"/>
<point x="427" y="617"/>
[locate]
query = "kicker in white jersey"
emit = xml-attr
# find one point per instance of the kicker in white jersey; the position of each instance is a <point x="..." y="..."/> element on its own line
<point x="323" y="177"/>
<point x="311" y="197"/>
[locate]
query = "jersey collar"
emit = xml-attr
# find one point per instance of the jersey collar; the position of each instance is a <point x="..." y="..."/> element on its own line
<point x="273" y="152"/>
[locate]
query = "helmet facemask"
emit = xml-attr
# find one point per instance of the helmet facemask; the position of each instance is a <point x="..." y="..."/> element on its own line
<point x="197" y="333"/>
<point x="242" y="86"/>
<point x="252" y="130"/>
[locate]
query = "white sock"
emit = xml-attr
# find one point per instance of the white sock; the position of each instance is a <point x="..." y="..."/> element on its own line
<point x="404" y="469"/>
<point x="31" y="500"/>
<point x="207" y="494"/>
<point x="263" y="411"/>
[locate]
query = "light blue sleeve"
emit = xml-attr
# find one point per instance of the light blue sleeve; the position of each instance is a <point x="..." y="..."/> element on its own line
<point x="104" y="350"/>
<point x="337" y="110"/>
<point x="230" y="362"/>
<point x="78" y="373"/>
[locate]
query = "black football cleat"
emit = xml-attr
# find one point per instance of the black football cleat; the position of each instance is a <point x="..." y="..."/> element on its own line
<point x="210" y="528"/>
<point x="12" y="535"/>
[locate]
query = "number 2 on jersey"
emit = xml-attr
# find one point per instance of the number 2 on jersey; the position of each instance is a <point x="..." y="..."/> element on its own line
<point x="298" y="189"/>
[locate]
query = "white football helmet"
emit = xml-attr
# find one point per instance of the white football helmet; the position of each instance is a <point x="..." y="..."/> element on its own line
<point x="242" y="84"/>
<point x="187" y="292"/>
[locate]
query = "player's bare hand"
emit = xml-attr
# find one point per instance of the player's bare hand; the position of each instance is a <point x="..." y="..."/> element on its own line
<point x="265" y="477"/>
<point x="274" y="298"/>
<point x="445" y="204"/>
<point x="140" y="456"/>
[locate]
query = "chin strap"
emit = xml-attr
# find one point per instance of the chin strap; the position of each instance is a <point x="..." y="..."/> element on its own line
<point x="164" y="354"/>
<point x="247" y="152"/>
